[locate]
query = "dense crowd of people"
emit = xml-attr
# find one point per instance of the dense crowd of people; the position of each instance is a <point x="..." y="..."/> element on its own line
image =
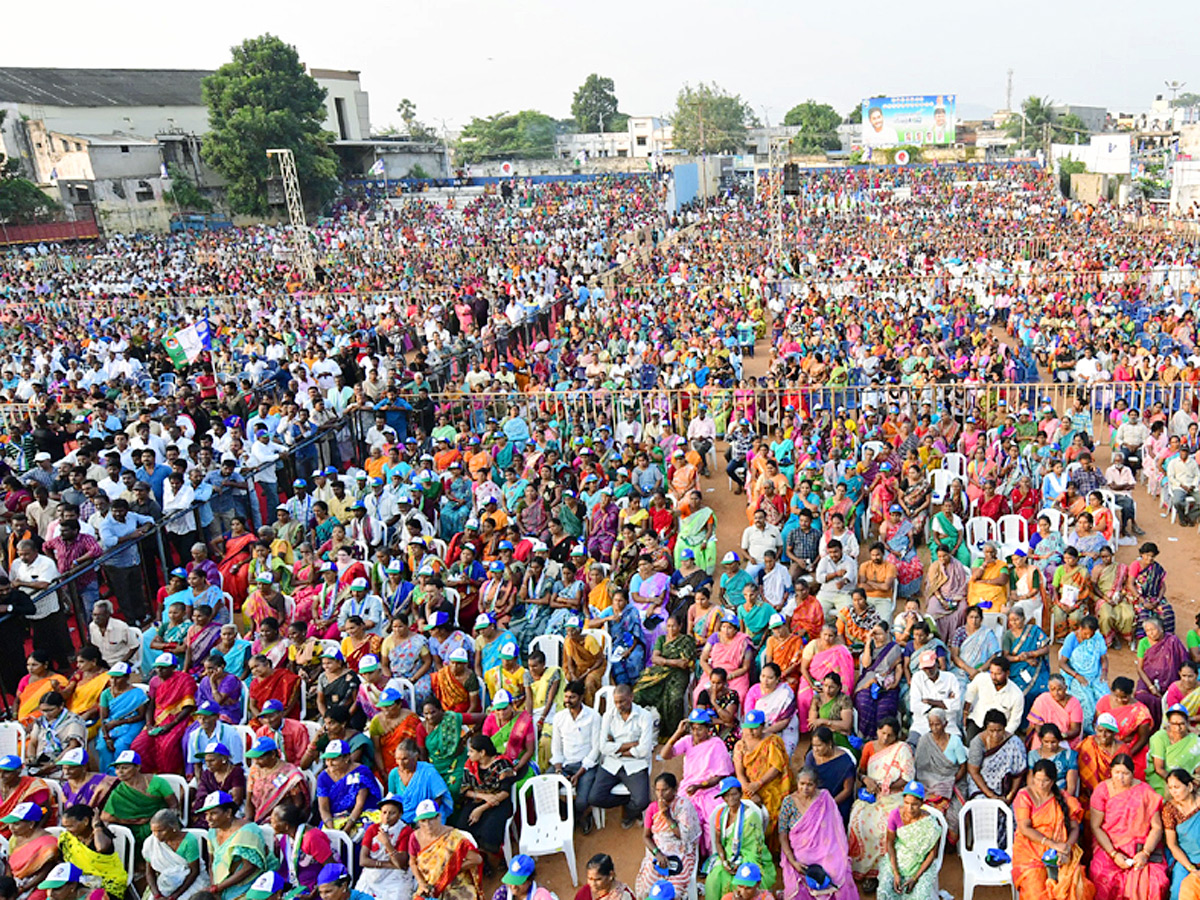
<point x="309" y="614"/>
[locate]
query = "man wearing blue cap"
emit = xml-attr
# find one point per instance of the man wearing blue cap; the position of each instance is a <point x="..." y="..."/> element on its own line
<point x="209" y="727"/>
<point x="333" y="883"/>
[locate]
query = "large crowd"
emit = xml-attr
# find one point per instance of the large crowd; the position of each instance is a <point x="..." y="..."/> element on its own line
<point x="331" y="609"/>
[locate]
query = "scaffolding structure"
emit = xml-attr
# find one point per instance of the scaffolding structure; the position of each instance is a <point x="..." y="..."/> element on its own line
<point x="295" y="204"/>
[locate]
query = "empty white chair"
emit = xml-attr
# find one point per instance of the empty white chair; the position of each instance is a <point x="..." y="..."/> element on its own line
<point x="1014" y="534"/>
<point x="409" y="691"/>
<point x="980" y="530"/>
<point x="123" y="839"/>
<point x="941" y="855"/>
<point x="343" y="847"/>
<point x="552" y="646"/>
<point x="956" y="465"/>
<point x="552" y="832"/>
<point x="985" y="817"/>
<point x="1058" y="520"/>
<point x="180" y="788"/>
<point x="12" y="739"/>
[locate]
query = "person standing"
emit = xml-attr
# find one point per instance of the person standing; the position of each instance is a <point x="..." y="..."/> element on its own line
<point x="33" y="572"/>
<point x="123" y="527"/>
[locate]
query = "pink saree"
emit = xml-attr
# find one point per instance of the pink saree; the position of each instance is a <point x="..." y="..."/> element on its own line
<point x="819" y="838"/>
<point x="703" y="762"/>
<point x="1127" y="819"/>
<point x="836" y="659"/>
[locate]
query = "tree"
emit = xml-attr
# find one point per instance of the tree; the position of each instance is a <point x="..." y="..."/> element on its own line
<point x="1040" y="120"/>
<point x="1070" y="129"/>
<point x="818" y="124"/>
<point x="413" y="127"/>
<point x="528" y="134"/>
<point x="708" y="119"/>
<point x="594" y="106"/>
<point x="1186" y="99"/>
<point x="260" y="100"/>
<point x="20" y="199"/>
<point x="183" y="192"/>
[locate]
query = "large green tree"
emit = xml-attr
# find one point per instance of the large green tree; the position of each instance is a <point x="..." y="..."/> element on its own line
<point x="709" y="119"/>
<point x="594" y="106"/>
<point x="818" y="124"/>
<point x="260" y="100"/>
<point x="20" y="199"/>
<point x="527" y="134"/>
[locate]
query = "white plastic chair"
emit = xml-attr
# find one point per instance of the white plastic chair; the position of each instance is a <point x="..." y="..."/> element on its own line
<point x="180" y="787"/>
<point x="60" y="799"/>
<point x="123" y="841"/>
<point x="956" y="465"/>
<point x="409" y="689"/>
<point x="552" y="832"/>
<point x="201" y="836"/>
<point x="876" y="448"/>
<point x="247" y="734"/>
<point x="1014" y="534"/>
<point x="1058" y="520"/>
<point x="135" y="637"/>
<point x="551" y="645"/>
<point x="994" y="622"/>
<point x="980" y="530"/>
<point x="12" y="739"/>
<point x="985" y="834"/>
<point x="941" y="855"/>
<point x="940" y="481"/>
<point x="344" y="848"/>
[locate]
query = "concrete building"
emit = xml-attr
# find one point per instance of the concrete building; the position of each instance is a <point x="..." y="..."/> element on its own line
<point x="643" y="137"/>
<point x="1094" y="118"/>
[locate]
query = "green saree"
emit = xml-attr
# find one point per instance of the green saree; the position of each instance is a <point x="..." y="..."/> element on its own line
<point x="664" y="687"/>
<point x="447" y="752"/>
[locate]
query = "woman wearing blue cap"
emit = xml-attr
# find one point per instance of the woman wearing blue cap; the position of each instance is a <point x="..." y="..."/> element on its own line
<point x="240" y="852"/>
<point x="737" y="836"/>
<point x="913" y="838"/>
<point x="706" y="761"/>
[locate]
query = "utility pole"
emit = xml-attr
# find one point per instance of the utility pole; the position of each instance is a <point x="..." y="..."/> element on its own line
<point x="1008" y="92"/>
<point x="703" y="152"/>
<point x="295" y="205"/>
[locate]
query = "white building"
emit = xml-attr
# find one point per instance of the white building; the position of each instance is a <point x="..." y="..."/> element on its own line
<point x="643" y="137"/>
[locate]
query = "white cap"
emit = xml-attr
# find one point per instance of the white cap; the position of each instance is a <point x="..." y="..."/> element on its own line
<point x="459" y="655"/>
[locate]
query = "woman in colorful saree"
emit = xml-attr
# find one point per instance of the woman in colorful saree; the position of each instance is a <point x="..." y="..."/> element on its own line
<point x="136" y="797"/>
<point x="1047" y="859"/>
<point x="1127" y="835"/>
<point x="913" y="840"/>
<point x="877" y="693"/>
<point x="240" y="852"/>
<point x="1027" y="650"/>
<point x="90" y="846"/>
<point x="1148" y="581"/>
<point x="737" y="837"/>
<point x="811" y="833"/>
<point x="32" y="850"/>
<point x="17" y="788"/>
<point x="972" y="646"/>
<point x="705" y="762"/>
<point x="172" y="702"/>
<point x="774" y="699"/>
<point x="886" y="766"/>
<point x="272" y="781"/>
<point x="1182" y="827"/>
<point x="444" y="743"/>
<point x="989" y="580"/>
<point x="346" y="792"/>
<point x="444" y="860"/>
<point x="785" y="648"/>
<point x="407" y="655"/>
<point x="899" y="537"/>
<point x="671" y="831"/>
<point x="996" y="760"/>
<point x="1083" y="660"/>
<point x="946" y="531"/>
<point x="173" y="864"/>
<point x="1159" y="656"/>
<point x="414" y="780"/>
<point x="1046" y="547"/>
<point x="1175" y="747"/>
<point x="821" y="657"/>
<point x="1186" y="691"/>
<point x="1134" y="723"/>
<point x="698" y="533"/>
<point x="39" y="681"/>
<point x="733" y="652"/>
<point x="219" y="687"/>
<point x="512" y="734"/>
<point x="1114" y="609"/>
<point x="946" y="583"/>
<point x="941" y="763"/>
<point x="761" y="761"/>
<point x="663" y="686"/>
<point x="302" y="849"/>
<point x="79" y="786"/>
<point x="201" y="639"/>
<point x="486" y="796"/>
<point x="235" y="560"/>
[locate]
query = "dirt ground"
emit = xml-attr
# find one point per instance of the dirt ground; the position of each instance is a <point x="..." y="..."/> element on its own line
<point x="1180" y="556"/>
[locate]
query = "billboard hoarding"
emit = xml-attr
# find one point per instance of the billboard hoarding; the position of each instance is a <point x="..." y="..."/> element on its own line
<point x="921" y="120"/>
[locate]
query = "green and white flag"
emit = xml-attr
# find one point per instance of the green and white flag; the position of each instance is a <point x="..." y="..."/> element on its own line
<point x="186" y="345"/>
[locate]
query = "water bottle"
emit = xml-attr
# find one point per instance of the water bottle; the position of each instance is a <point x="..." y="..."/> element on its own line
<point x="865" y="795"/>
<point x="875" y="690"/>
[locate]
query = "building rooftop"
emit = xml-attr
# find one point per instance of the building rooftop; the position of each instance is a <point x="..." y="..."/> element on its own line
<point x="102" y="87"/>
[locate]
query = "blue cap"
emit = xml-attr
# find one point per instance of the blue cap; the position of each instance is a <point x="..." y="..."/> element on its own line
<point x="389" y="697"/>
<point x="10" y="763"/>
<point x="208" y="708"/>
<point x="179" y="572"/>
<point x="686" y="553"/>
<point x="128" y="758"/>
<point x="332" y="873"/>
<point x="272" y="706"/>
<point x="218" y="748"/>
<point x="700" y="717"/>
<point x="215" y="799"/>
<point x="330" y="470"/>
<point x="1178" y="708"/>
<point x="520" y="870"/>
<point x="300" y="482"/>
<point x="915" y="789"/>
<point x="505" y="545"/>
<point x="747" y="875"/>
<point x="728" y="783"/>
<point x="496" y="566"/>
<point x="754" y="718"/>
<point x="262" y="746"/>
<point x="25" y="812"/>
<point x="662" y="890"/>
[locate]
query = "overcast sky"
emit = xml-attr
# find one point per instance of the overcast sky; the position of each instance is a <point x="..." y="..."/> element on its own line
<point x="458" y="58"/>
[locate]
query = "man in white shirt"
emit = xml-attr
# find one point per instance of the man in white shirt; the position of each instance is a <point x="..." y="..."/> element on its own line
<point x="991" y="690"/>
<point x="111" y="636"/>
<point x="1122" y="481"/>
<point x="837" y="576"/>
<point x="630" y="427"/>
<point x="1183" y="479"/>
<point x="1129" y="438"/>
<point x="33" y="573"/>
<point x="178" y="496"/>
<point x="575" y="747"/>
<point x="627" y="734"/>
<point x="265" y="452"/>
<point x="757" y="540"/>
<point x="933" y="690"/>
<point x="701" y="433"/>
